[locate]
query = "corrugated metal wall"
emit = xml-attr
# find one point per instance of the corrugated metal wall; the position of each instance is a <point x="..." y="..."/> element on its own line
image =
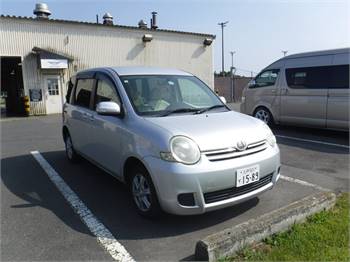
<point x="93" y="46"/>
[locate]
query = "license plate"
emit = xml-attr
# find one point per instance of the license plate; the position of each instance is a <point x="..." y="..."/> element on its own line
<point x="247" y="175"/>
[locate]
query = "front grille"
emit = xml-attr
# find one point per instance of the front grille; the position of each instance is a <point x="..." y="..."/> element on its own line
<point x="230" y="153"/>
<point x="219" y="195"/>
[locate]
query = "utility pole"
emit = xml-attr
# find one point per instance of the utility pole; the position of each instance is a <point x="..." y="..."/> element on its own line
<point x="232" y="77"/>
<point x="232" y="53"/>
<point x="284" y="52"/>
<point x="223" y="24"/>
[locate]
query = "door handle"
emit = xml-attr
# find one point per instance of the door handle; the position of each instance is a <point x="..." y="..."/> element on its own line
<point x="88" y="116"/>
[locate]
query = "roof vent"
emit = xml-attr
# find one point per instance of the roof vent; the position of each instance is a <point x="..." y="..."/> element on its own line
<point x="42" y="11"/>
<point x="154" y="20"/>
<point x="107" y="19"/>
<point x="142" y="24"/>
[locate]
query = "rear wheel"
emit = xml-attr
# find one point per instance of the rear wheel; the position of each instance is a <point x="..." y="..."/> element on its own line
<point x="264" y="115"/>
<point x="143" y="193"/>
<point x="70" y="152"/>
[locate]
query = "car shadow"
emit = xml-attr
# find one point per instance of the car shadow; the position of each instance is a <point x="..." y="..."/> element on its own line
<point x="23" y="177"/>
<point x="105" y="196"/>
<point x="322" y="135"/>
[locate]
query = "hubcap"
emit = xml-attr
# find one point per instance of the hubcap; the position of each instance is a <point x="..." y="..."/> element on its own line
<point x="141" y="192"/>
<point x="69" y="147"/>
<point x="263" y="115"/>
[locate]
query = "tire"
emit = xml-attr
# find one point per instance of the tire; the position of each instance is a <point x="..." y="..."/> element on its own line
<point x="264" y="115"/>
<point x="70" y="152"/>
<point x="143" y="193"/>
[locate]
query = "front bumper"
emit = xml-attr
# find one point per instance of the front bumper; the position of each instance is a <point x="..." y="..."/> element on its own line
<point x="171" y="179"/>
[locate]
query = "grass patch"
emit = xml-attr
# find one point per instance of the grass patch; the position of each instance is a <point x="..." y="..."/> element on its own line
<point x="323" y="237"/>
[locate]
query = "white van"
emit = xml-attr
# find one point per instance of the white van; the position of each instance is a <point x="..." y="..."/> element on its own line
<point x="309" y="89"/>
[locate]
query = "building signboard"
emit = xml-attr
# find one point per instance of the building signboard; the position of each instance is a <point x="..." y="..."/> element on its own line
<point x="53" y="63"/>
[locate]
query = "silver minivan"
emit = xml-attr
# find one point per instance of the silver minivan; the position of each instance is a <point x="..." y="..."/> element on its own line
<point x="169" y="138"/>
<point x="308" y="89"/>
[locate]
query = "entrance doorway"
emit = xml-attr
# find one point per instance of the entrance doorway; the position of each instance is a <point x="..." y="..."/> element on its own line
<point x="54" y="96"/>
<point x="12" y="91"/>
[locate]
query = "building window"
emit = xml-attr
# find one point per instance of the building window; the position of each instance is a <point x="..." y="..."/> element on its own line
<point x="52" y="86"/>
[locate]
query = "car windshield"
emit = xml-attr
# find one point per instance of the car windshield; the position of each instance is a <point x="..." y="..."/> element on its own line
<point x="163" y="95"/>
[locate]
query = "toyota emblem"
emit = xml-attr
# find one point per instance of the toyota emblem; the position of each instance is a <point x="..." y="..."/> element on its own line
<point x="241" y="145"/>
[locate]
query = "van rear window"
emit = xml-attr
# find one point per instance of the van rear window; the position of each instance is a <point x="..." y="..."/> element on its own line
<point x="318" y="77"/>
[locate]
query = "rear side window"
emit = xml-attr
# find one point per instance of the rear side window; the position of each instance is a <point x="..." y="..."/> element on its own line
<point x="318" y="77"/>
<point x="266" y="78"/>
<point x="83" y="92"/>
<point x="340" y="77"/>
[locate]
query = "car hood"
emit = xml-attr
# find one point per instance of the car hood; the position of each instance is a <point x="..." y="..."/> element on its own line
<point x="214" y="130"/>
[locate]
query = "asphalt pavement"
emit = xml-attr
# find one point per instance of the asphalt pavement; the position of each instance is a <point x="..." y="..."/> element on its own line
<point x="37" y="223"/>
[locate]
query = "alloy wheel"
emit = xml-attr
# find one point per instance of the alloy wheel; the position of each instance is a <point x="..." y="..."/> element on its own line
<point x="141" y="192"/>
<point x="69" y="147"/>
<point x="263" y="115"/>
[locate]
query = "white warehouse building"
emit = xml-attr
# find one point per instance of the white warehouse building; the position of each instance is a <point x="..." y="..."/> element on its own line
<point x="39" y="54"/>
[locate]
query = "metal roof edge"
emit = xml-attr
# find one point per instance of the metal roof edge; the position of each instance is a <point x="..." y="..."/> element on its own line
<point x="111" y="26"/>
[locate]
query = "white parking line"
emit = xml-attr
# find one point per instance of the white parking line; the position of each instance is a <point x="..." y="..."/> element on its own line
<point x="313" y="141"/>
<point x="304" y="183"/>
<point x="103" y="235"/>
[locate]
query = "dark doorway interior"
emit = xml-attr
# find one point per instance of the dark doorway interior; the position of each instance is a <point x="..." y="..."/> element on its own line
<point x="12" y="91"/>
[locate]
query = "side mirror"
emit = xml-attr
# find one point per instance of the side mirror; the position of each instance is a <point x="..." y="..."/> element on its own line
<point x="108" y="108"/>
<point x="252" y="83"/>
<point x="223" y="99"/>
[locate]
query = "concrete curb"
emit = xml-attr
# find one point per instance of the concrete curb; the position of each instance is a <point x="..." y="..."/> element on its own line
<point x="229" y="241"/>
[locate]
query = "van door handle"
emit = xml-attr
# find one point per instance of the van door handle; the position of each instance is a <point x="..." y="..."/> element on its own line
<point x="273" y="90"/>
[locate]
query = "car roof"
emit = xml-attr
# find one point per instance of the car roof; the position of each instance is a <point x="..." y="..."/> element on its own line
<point x="131" y="70"/>
<point x="148" y="70"/>
<point x="319" y="53"/>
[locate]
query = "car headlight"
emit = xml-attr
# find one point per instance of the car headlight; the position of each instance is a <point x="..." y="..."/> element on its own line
<point x="183" y="150"/>
<point x="270" y="138"/>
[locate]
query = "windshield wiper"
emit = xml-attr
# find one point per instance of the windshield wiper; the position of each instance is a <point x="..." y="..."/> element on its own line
<point x="180" y="110"/>
<point x="208" y="109"/>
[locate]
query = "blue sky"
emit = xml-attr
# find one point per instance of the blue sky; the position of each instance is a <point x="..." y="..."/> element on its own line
<point x="257" y="30"/>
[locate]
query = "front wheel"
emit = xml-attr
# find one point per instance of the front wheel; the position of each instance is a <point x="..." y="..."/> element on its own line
<point x="70" y="152"/>
<point x="264" y="115"/>
<point x="143" y="193"/>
